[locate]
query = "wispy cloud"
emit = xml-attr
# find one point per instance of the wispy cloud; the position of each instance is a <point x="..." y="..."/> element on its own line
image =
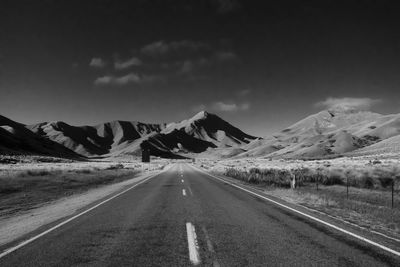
<point x="190" y="65"/>
<point x="161" y="47"/>
<point x="130" y="78"/>
<point x="221" y="106"/>
<point x="198" y="108"/>
<point x="243" y="92"/>
<point x="227" y="6"/>
<point x="230" y="107"/>
<point x="226" y="56"/>
<point x="97" y="62"/>
<point x="187" y="60"/>
<point x="126" y="64"/>
<point x="347" y="103"/>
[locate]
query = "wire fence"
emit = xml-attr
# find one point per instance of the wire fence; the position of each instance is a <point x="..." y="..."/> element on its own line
<point x="383" y="186"/>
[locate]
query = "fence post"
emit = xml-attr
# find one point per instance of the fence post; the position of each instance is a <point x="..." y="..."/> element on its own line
<point x="292" y="180"/>
<point x="392" y="193"/>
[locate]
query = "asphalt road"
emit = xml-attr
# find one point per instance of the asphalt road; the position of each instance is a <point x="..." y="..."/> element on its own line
<point x="150" y="224"/>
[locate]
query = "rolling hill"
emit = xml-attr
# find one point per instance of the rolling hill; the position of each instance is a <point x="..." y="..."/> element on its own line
<point x="16" y="139"/>
<point x="203" y="132"/>
<point x="98" y="140"/>
<point x="189" y="137"/>
<point x="329" y="133"/>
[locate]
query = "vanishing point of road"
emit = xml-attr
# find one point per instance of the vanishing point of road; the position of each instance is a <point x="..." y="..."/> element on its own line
<point x="184" y="217"/>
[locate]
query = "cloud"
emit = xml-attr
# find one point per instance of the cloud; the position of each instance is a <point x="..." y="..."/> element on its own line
<point x="127" y="79"/>
<point x="347" y="103"/>
<point x="221" y="106"/>
<point x="125" y="64"/>
<point x="161" y="47"/>
<point x="244" y="92"/>
<point x="155" y="48"/>
<point x="97" y="62"/>
<point x="226" y="56"/>
<point x="199" y="108"/>
<point x="189" y="66"/>
<point x="227" y="6"/>
<point x="230" y="107"/>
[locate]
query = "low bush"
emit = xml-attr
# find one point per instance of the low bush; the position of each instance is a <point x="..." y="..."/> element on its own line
<point x="370" y="178"/>
<point x="116" y="167"/>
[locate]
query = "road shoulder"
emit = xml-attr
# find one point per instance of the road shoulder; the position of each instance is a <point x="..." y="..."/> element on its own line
<point x="15" y="229"/>
<point x="390" y="243"/>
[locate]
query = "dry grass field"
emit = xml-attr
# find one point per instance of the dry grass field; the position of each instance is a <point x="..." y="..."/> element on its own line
<point x="30" y="184"/>
<point x="322" y="186"/>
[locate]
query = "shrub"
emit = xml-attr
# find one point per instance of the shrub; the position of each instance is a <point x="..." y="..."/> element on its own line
<point x="37" y="172"/>
<point x="115" y="167"/>
<point x="84" y="171"/>
<point x="385" y="182"/>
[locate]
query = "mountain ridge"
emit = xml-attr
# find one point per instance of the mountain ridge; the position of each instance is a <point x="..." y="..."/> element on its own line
<point x="328" y="133"/>
<point x="118" y="138"/>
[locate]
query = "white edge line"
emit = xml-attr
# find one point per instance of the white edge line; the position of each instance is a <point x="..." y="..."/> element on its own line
<point x="26" y="242"/>
<point x="397" y="253"/>
<point x="192" y="244"/>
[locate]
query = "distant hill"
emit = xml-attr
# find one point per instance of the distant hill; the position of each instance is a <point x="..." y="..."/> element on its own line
<point x="16" y="139"/>
<point x="329" y="133"/>
<point x="102" y="139"/>
<point x="204" y="131"/>
<point x="187" y="138"/>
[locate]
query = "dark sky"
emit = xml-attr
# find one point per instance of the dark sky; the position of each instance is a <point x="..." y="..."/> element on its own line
<point x="261" y="65"/>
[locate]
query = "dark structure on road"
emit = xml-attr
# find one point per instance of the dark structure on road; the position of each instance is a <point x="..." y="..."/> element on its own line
<point x="145" y="151"/>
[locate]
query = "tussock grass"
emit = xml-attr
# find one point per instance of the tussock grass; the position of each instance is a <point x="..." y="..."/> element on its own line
<point x="375" y="178"/>
<point x="116" y="167"/>
<point x="366" y="207"/>
<point x="368" y="203"/>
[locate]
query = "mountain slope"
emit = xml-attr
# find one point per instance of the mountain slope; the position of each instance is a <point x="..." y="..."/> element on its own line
<point x="211" y="128"/>
<point x="387" y="146"/>
<point x="204" y="131"/>
<point x="16" y="139"/>
<point x="327" y="133"/>
<point x="192" y="136"/>
<point x="95" y="140"/>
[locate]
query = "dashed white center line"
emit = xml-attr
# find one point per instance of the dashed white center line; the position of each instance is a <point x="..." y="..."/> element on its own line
<point x="182" y="181"/>
<point x="192" y="244"/>
<point x="210" y="246"/>
<point x="184" y="192"/>
<point x="190" y="190"/>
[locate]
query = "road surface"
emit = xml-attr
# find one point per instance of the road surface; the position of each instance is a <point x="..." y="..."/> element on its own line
<point x="183" y="217"/>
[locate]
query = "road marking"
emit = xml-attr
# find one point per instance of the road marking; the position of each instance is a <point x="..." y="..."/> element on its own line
<point x="366" y="240"/>
<point x="192" y="244"/>
<point x="182" y="181"/>
<point x="210" y="246"/>
<point x="190" y="191"/>
<point x="30" y="240"/>
<point x="184" y="192"/>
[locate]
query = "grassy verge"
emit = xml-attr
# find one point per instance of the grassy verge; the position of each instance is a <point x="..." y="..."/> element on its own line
<point x="27" y="189"/>
<point x="366" y="205"/>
